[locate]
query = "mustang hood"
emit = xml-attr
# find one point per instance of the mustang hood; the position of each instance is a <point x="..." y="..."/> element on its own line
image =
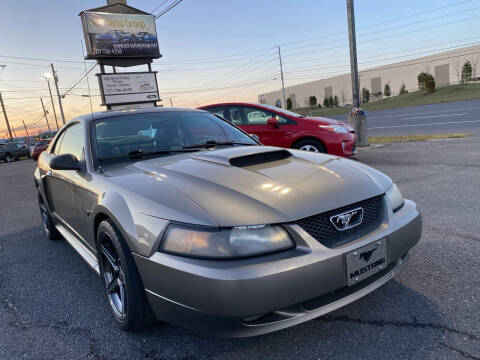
<point x="253" y="184"/>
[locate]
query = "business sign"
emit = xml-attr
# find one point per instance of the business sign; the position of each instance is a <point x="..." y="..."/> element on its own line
<point x="128" y="88"/>
<point x="109" y="35"/>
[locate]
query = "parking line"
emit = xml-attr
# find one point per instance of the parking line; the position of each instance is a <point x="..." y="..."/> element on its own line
<point x="432" y="116"/>
<point x="414" y="125"/>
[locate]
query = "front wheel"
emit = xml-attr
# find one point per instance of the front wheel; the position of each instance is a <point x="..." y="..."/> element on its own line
<point x="8" y="158"/>
<point x="310" y="145"/>
<point x="123" y="287"/>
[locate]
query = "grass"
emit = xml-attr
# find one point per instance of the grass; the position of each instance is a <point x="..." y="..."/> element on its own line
<point x="390" y="139"/>
<point x="441" y="95"/>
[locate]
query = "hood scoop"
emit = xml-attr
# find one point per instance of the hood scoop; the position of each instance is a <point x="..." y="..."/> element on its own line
<point x="243" y="156"/>
<point x="260" y="158"/>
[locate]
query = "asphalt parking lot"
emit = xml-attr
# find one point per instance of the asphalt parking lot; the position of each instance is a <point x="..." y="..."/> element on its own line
<point x="52" y="307"/>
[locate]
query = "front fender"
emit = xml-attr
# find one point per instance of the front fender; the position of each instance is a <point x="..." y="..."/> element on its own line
<point x="141" y="232"/>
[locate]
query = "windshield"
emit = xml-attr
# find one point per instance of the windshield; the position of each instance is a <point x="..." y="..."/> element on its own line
<point x="158" y="131"/>
<point x="281" y="111"/>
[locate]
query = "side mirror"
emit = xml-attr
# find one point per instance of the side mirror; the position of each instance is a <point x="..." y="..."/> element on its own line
<point x="65" y="162"/>
<point x="273" y="122"/>
<point x="255" y="136"/>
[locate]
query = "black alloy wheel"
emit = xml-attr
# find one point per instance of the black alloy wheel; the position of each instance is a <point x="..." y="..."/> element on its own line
<point x="47" y="222"/>
<point x="122" y="284"/>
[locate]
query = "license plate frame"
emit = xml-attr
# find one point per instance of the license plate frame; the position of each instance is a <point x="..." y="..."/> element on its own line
<point x="366" y="261"/>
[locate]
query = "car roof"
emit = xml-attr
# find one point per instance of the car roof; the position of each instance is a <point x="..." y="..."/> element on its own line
<point x="232" y="103"/>
<point x="110" y="113"/>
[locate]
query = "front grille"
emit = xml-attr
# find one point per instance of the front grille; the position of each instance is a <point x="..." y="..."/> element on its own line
<point x="321" y="229"/>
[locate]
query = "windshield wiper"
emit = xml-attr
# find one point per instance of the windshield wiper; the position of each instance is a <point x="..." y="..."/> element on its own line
<point x="137" y="153"/>
<point x="213" y="143"/>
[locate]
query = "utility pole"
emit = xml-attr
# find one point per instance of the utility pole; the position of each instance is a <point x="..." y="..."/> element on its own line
<point x="6" y="118"/>
<point x="25" y="128"/>
<point x="171" y="102"/>
<point x="51" y="98"/>
<point x="45" y="114"/>
<point x="55" y="78"/>
<point x="281" y="75"/>
<point x="357" y="117"/>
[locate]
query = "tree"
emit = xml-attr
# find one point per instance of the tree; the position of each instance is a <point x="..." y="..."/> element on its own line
<point x="313" y="101"/>
<point x="365" y="95"/>
<point x="387" y="91"/>
<point x="403" y="89"/>
<point x="430" y="85"/>
<point x="335" y="101"/>
<point x="330" y="101"/>
<point x="422" y="79"/>
<point x="325" y="102"/>
<point x="289" y="104"/>
<point x="467" y="71"/>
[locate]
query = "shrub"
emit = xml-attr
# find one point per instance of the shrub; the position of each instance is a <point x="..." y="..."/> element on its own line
<point x="330" y="101"/>
<point x="289" y="104"/>
<point x="430" y="85"/>
<point x="313" y="101"/>
<point x="365" y="95"/>
<point x="387" y="91"/>
<point x="467" y="70"/>
<point x="422" y="79"/>
<point x="325" y="102"/>
<point x="335" y="101"/>
<point x="403" y="89"/>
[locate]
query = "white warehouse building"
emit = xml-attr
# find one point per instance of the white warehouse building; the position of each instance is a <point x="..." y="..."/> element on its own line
<point x="445" y="67"/>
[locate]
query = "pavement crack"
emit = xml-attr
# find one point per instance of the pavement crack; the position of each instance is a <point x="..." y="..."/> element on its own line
<point x="459" y="351"/>
<point x="401" y="324"/>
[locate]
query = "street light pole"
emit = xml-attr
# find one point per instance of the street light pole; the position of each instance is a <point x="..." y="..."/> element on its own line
<point x="55" y="79"/>
<point x="51" y="98"/>
<point x="45" y="114"/>
<point x="357" y="117"/>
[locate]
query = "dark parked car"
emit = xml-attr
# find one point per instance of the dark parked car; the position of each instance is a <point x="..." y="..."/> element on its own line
<point x="13" y="151"/>
<point x="180" y="210"/>
<point x="279" y="127"/>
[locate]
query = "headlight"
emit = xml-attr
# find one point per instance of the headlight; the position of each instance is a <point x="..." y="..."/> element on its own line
<point x="226" y="243"/>
<point x="395" y="197"/>
<point x="335" y="128"/>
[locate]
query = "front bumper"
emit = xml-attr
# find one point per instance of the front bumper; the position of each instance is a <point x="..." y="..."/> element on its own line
<point x="254" y="296"/>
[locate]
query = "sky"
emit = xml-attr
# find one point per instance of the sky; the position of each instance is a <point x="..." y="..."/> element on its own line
<point x="221" y="50"/>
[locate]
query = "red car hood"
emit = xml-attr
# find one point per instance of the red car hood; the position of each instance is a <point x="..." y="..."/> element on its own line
<point x="327" y="121"/>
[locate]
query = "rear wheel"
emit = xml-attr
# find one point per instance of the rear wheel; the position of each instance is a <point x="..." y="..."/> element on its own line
<point x="8" y="158"/>
<point x="310" y="145"/>
<point x="123" y="287"/>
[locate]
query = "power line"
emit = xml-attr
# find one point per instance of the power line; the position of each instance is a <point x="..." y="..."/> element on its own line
<point x="170" y="7"/>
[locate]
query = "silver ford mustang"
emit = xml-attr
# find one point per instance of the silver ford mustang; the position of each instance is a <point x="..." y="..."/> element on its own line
<point x="180" y="211"/>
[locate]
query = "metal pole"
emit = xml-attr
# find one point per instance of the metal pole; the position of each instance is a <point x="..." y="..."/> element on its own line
<point x="55" y="78"/>
<point x="171" y="102"/>
<point x="25" y="128"/>
<point x="14" y="133"/>
<point x="356" y="118"/>
<point x="6" y="118"/>
<point x="281" y="75"/>
<point x="45" y="114"/>
<point x="353" y="53"/>
<point x="53" y="104"/>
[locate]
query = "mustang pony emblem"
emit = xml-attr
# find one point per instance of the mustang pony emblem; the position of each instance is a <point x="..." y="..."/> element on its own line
<point x="367" y="254"/>
<point x="348" y="219"/>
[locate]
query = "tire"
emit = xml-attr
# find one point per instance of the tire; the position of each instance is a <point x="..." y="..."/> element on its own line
<point x="310" y="145"/>
<point x="47" y="221"/>
<point x="8" y="158"/>
<point x="123" y="287"/>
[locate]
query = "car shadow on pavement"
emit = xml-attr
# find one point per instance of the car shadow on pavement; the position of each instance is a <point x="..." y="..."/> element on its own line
<point x="394" y="321"/>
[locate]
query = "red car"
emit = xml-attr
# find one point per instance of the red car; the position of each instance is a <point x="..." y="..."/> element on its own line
<point x="278" y="127"/>
<point x="39" y="146"/>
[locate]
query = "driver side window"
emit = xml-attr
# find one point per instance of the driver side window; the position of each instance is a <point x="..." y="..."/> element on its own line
<point x="72" y="142"/>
